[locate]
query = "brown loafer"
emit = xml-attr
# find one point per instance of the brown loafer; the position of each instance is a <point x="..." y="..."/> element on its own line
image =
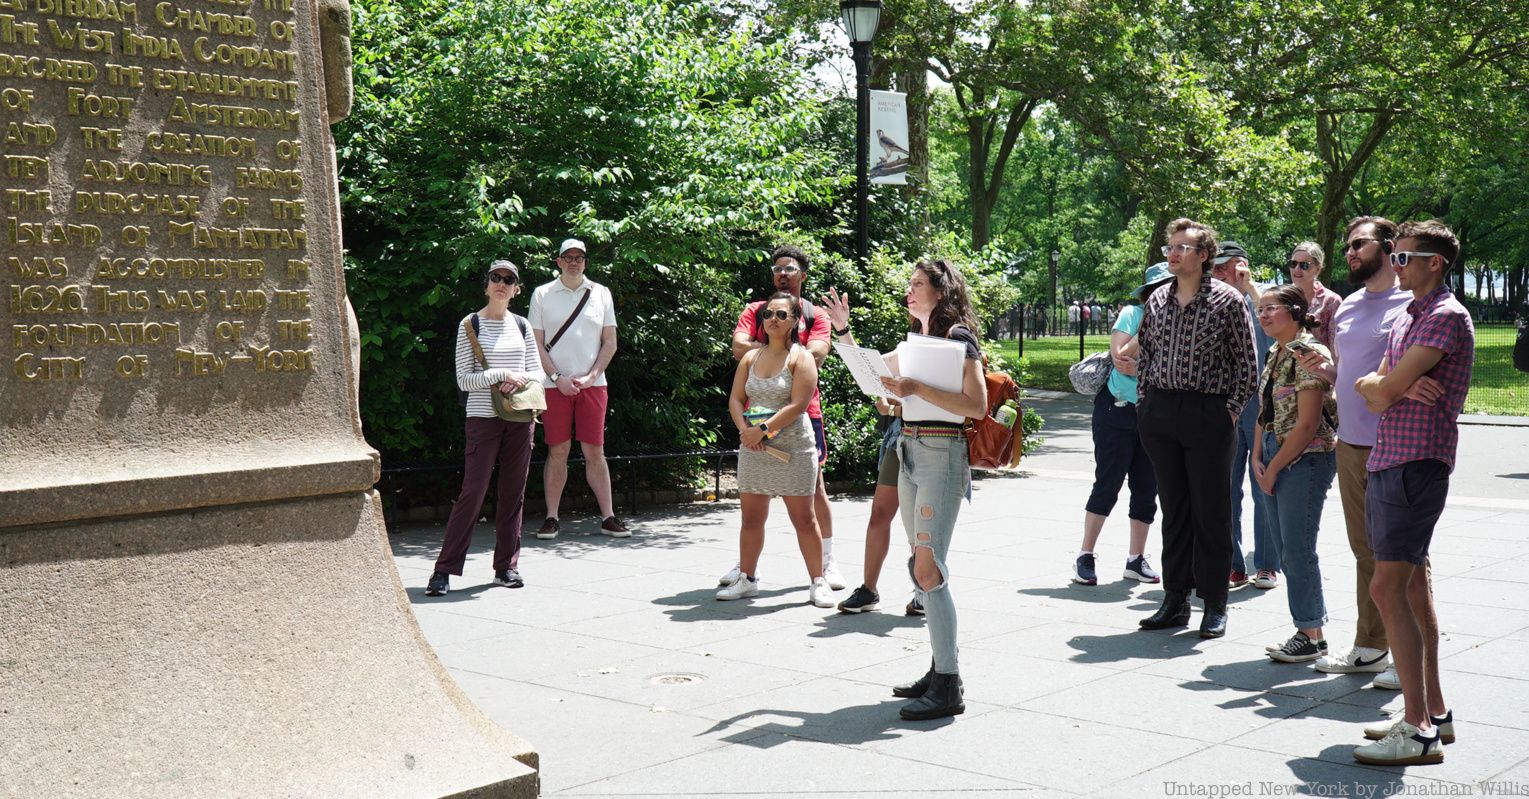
<point x="550" y="529"/>
<point x="613" y="527"/>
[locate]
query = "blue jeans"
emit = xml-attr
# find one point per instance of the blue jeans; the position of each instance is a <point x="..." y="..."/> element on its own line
<point x="934" y="475"/>
<point x="1295" y="513"/>
<point x="1266" y="556"/>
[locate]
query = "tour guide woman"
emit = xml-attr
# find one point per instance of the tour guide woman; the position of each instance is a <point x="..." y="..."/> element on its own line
<point x="512" y="361"/>
<point x="935" y="475"/>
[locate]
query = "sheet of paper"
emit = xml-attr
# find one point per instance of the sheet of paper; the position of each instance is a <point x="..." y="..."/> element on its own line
<point x="937" y="362"/>
<point x="867" y="367"/>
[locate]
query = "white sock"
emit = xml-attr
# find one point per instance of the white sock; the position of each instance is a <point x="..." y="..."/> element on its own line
<point x="828" y="550"/>
<point x="1083" y="552"/>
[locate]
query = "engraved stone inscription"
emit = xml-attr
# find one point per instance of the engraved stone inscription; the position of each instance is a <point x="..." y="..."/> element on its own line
<point x="151" y="211"/>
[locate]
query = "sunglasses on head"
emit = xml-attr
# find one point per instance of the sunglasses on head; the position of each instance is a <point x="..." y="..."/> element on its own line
<point x="508" y="280"/>
<point x="767" y="315"/>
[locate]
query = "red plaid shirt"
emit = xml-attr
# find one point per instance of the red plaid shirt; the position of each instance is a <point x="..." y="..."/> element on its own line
<point x="1410" y="430"/>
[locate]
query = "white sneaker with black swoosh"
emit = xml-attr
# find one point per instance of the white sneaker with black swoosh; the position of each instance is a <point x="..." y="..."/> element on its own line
<point x="1360" y="659"/>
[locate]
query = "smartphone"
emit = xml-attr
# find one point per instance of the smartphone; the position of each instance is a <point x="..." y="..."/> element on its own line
<point x="1299" y="347"/>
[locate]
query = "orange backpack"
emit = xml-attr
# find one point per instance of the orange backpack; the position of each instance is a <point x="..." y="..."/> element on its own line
<point x="991" y="444"/>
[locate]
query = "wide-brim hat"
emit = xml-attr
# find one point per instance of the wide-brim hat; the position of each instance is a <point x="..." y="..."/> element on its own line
<point x="1157" y="274"/>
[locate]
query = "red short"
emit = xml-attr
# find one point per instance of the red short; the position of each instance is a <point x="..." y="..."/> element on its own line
<point x="584" y="412"/>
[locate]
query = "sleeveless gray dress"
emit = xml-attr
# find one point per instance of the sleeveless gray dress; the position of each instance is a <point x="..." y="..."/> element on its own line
<point x="761" y="472"/>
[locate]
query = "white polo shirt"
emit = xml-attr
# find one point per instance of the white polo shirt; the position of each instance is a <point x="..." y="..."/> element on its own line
<point x="577" y="350"/>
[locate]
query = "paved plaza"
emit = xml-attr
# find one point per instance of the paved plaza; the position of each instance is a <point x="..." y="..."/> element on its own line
<point x="631" y="680"/>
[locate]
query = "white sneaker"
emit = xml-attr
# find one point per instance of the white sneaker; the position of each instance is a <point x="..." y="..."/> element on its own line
<point x="820" y="594"/>
<point x="732" y="575"/>
<point x="1387" y="680"/>
<point x="738" y="589"/>
<point x="1403" y="745"/>
<point x="1356" y="660"/>
<point x="832" y="575"/>
<point x="1445" y="724"/>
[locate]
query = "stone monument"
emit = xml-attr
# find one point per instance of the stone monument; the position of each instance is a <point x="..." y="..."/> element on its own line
<point x="196" y="592"/>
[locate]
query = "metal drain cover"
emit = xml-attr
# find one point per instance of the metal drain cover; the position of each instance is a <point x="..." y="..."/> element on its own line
<point x="675" y="679"/>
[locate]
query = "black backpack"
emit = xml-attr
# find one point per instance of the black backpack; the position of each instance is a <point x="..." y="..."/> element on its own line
<point x="1521" y="350"/>
<point x="520" y="322"/>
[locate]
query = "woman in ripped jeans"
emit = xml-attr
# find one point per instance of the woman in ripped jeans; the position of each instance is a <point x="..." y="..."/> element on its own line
<point x="934" y="475"/>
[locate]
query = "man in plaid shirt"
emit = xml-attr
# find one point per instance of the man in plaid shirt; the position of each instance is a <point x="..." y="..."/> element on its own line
<point x="1419" y="391"/>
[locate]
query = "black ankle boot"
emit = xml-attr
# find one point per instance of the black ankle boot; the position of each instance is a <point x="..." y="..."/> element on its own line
<point x="915" y="689"/>
<point x="1213" y="624"/>
<point x="1174" y="612"/>
<point x="942" y="699"/>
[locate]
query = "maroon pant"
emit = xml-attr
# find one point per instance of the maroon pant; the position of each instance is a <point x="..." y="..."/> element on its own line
<point x="488" y="441"/>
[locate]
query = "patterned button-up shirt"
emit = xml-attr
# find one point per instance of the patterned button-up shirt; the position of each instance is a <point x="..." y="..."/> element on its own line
<point x="1324" y="306"/>
<point x="1205" y="346"/>
<point x="1410" y="430"/>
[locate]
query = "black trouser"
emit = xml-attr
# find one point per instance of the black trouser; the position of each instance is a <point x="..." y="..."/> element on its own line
<point x="1118" y="454"/>
<point x="1189" y="437"/>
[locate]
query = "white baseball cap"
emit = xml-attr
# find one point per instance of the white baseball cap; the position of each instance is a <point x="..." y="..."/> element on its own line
<point x="571" y="244"/>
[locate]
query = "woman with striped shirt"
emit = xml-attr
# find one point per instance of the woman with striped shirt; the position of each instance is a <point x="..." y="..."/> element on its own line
<point x="507" y="345"/>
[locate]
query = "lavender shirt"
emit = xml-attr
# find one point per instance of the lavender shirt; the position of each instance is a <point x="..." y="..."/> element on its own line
<point x="1361" y="327"/>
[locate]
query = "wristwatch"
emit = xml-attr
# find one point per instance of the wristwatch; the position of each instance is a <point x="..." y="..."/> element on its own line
<point x="764" y="428"/>
<point x="555" y="376"/>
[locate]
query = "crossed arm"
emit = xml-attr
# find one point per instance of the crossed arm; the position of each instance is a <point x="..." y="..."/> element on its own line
<point x="1388" y="384"/>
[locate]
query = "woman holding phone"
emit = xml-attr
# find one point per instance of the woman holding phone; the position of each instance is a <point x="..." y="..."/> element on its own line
<point x="1294" y="462"/>
<point x="777" y="456"/>
<point x="934" y="474"/>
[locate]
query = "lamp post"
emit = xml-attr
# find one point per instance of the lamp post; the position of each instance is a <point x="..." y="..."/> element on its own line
<point x="1056" y="256"/>
<point x="861" y="17"/>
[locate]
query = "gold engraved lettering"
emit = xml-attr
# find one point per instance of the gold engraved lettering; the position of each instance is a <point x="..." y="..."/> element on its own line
<point x="13" y="99"/>
<point x="274" y="360"/>
<point x="253" y="300"/>
<point x="60" y="69"/>
<point x="90" y="334"/>
<point x="30" y="134"/>
<point x="201" y="144"/>
<point x="13" y="32"/>
<point x="132" y="366"/>
<point x="26" y="167"/>
<point x="297" y="270"/>
<point x="47" y="299"/>
<point x="84" y="40"/>
<point x="232" y="116"/>
<point x="116" y="301"/>
<point x="31" y="368"/>
<point x="183" y="268"/>
<point x="23" y="200"/>
<point x="248" y="177"/>
<point x="39" y="268"/>
<point x="278" y="5"/>
<point x="97" y="105"/>
<point x="207" y="51"/>
<point x="178" y="80"/>
<point x="292" y="300"/>
<point x="193" y="363"/>
<point x="35" y="234"/>
<point x="185" y="301"/>
<point x="98" y="10"/>
<point x="150" y="172"/>
<point x="110" y="202"/>
<point x="287" y="209"/>
<point x="102" y="138"/>
<point x="118" y="75"/>
<point x="293" y="329"/>
<point x="248" y="238"/>
<point x="169" y="16"/>
<point x="151" y="46"/>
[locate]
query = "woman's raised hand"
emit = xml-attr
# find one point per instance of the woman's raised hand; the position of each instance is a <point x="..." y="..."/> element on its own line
<point x="837" y="306"/>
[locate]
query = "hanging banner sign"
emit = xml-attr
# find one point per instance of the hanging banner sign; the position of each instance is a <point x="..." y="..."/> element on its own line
<point x="888" y="147"/>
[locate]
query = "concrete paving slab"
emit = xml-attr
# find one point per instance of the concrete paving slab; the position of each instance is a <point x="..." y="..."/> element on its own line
<point x="1237" y="771"/>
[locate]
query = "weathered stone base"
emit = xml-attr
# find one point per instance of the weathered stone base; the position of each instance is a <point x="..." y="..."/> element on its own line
<point x="253" y="650"/>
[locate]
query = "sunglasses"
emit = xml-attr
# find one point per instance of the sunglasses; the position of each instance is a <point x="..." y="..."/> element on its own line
<point x="1302" y="265"/>
<point x="1181" y="249"/>
<point x="1355" y="245"/>
<point x="572" y="259"/>
<point x="767" y="315"/>
<point x="1401" y="258"/>
<point x="508" y="280"/>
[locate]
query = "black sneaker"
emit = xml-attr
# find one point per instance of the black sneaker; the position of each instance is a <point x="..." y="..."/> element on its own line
<point x="914" y="608"/>
<point x="863" y="600"/>
<point x="509" y="577"/>
<point x="1300" y="649"/>
<point x="440" y="583"/>
<point x="1083" y="570"/>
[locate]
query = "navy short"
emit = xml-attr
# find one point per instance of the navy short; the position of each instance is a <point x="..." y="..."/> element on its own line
<point x="817" y="438"/>
<point x="1401" y="506"/>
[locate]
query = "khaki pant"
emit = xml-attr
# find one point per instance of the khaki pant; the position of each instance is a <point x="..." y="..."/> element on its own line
<point x="1353" y="477"/>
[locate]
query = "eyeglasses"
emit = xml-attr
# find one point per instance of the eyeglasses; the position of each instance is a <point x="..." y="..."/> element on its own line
<point x="1401" y="258"/>
<point x="1268" y="310"/>
<point x="767" y="315"/>
<point x="508" y="280"/>
<point x="573" y="259"/>
<point x="1355" y="245"/>
<point x="1181" y="249"/>
<point x="1303" y="265"/>
<point x="787" y="269"/>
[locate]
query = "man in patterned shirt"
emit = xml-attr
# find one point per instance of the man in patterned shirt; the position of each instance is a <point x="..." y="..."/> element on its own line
<point x="1419" y="391"/>
<point x="1196" y="372"/>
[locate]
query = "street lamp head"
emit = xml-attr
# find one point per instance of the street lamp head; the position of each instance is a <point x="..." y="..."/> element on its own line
<point x="860" y="19"/>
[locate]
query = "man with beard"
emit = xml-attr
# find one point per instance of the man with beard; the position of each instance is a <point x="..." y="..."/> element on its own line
<point x="788" y="271"/>
<point x="1361" y="326"/>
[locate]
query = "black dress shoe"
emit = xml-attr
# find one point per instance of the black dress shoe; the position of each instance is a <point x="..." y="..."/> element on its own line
<point x="1174" y="612"/>
<point x="942" y="699"/>
<point x="917" y="688"/>
<point x="1213" y="624"/>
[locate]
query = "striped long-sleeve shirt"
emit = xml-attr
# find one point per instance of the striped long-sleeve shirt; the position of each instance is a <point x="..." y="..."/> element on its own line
<point x="508" y="354"/>
<point x="1205" y="346"/>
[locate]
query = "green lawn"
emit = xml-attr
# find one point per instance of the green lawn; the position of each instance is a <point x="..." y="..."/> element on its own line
<point x="1496" y="387"/>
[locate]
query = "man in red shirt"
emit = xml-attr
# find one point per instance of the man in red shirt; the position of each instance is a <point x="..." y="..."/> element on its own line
<point x="788" y="271"/>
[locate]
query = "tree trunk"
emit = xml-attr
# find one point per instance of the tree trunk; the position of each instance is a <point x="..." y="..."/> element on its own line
<point x="1339" y="173"/>
<point x="1156" y="243"/>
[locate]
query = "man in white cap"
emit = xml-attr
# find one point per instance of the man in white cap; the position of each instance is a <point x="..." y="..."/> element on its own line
<point x="574" y="321"/>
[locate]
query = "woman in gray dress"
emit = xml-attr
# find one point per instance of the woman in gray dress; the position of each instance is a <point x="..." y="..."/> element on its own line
<point x="777" y="456"/>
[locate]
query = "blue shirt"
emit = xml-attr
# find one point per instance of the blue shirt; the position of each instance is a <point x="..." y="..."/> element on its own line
<point x="1123" y="387"/>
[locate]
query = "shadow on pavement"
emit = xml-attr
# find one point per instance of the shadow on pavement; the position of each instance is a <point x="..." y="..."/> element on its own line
<point x="857" y="724"/>
<point x="702" y="604"/>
